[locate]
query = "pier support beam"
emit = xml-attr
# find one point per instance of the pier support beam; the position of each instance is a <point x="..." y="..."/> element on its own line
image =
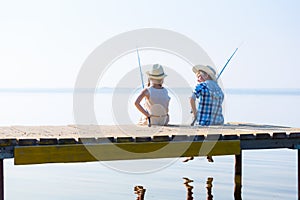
<point x="238" y="177"/>
<point x="298" y="163"/>
<point x="1" y="180"/>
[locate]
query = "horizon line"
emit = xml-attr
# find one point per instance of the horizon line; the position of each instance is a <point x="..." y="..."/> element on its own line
<point x="238" y="91"/>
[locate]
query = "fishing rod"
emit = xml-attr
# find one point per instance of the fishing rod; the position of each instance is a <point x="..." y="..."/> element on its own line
<point x="143" y="85"/>
<point x="193" y="122"/>
<point x="141" y="73"/>
<point x="227" y="63"/>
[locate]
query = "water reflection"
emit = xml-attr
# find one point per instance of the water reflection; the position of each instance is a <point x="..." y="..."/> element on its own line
<point x="209" y="188"/>
<point x="140" y="192"/>
<point x="189" y="188"/>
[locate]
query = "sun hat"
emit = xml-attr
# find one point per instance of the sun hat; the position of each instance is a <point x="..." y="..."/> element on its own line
<point x="207" y="69"/>
<point x="156" y="72"/>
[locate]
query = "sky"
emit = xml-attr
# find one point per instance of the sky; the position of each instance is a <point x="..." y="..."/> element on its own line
<point x="43" y="44"/>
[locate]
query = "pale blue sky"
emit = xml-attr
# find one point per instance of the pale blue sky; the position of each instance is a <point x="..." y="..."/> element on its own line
<point x="44" y="43"/>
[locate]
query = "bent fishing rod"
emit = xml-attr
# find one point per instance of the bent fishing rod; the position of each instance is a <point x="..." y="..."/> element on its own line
<point x="193" y="122"/>
<point x="141" y="74"/>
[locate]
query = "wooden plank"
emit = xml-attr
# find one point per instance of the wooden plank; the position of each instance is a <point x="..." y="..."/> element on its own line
<point x="247" y="137"/>
<point x="124" y="139"/>
<point x="46" y="131"/>
<point x="121" y="151"/>
<point x="161" y="138"/>
<point x="105" y="139"/>
<point x="64" y="141"/>
<point x="27" y="142"/>
<point x="294" y="135"/>
<point x="261" y="136"/>
<point x="48" y="141"/>
<point x="230" y="137"/>
<point x="181" y="138"/>
<point x="31" y="131"/>
<point x="51" y="154"/>
<point x="103" y="131"/>
<point x="61" y="131"/>
<point x="269" y="143"/>
<point x="7" y="142"/>
<point x="143" y="139"/>
<point x="8" y="132"/>
<point x="199" y="138"/>
<point x="87" y="140"/>
<point x="279" y="135"/>
<point x="214" y="137"/>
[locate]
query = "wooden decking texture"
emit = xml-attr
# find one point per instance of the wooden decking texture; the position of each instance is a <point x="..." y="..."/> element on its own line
<point x="98" y="131"/>
<point x="74" y="143"/>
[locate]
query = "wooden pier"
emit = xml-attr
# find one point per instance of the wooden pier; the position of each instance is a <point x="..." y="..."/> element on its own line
<point x="86" y="143"/>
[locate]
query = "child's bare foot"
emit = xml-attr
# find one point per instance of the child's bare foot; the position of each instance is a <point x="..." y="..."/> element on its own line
<point x="210" y="159"/>
<point x="188" y="159"/>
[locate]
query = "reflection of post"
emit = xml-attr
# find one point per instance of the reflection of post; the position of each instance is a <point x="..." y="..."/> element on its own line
<point x="209" y="188"/>
<point x="189" y="189"/>
<point x="238" y="177"/>
<point x="140" y="191"/>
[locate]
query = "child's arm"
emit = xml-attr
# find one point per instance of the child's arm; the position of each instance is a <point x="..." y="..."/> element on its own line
<point x="193" y="106"/>
<point x="137" y="103"/>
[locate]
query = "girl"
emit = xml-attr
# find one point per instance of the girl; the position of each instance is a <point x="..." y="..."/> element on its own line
<point x="156" y="106"/>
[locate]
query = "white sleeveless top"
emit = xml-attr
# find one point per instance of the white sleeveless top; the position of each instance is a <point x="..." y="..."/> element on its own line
<point x="158" y="106"/>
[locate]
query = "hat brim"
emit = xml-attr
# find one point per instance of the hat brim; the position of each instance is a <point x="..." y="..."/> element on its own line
<point x="156" y="77"/>
<point x="205" y="69"/>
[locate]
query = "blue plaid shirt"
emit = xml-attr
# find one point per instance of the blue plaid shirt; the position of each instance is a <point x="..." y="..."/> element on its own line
<point x="210" y="103"/>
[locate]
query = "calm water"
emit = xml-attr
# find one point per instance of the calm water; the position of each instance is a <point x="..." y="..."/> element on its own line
<point x="268" y="174"/>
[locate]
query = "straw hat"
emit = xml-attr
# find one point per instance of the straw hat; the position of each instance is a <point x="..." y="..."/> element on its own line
<point x="157" y="72"/>
<point x="207" y="69"/>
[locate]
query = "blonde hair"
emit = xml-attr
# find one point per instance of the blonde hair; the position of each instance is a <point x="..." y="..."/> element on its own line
<point x="155" y="81"/>
<point x="203" y="74"/>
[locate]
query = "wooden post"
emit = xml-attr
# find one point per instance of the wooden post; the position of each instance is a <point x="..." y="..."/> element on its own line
<point x="238" y="177"/>
<point x="1" y="181"/>
<point x="298" y="174"/>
